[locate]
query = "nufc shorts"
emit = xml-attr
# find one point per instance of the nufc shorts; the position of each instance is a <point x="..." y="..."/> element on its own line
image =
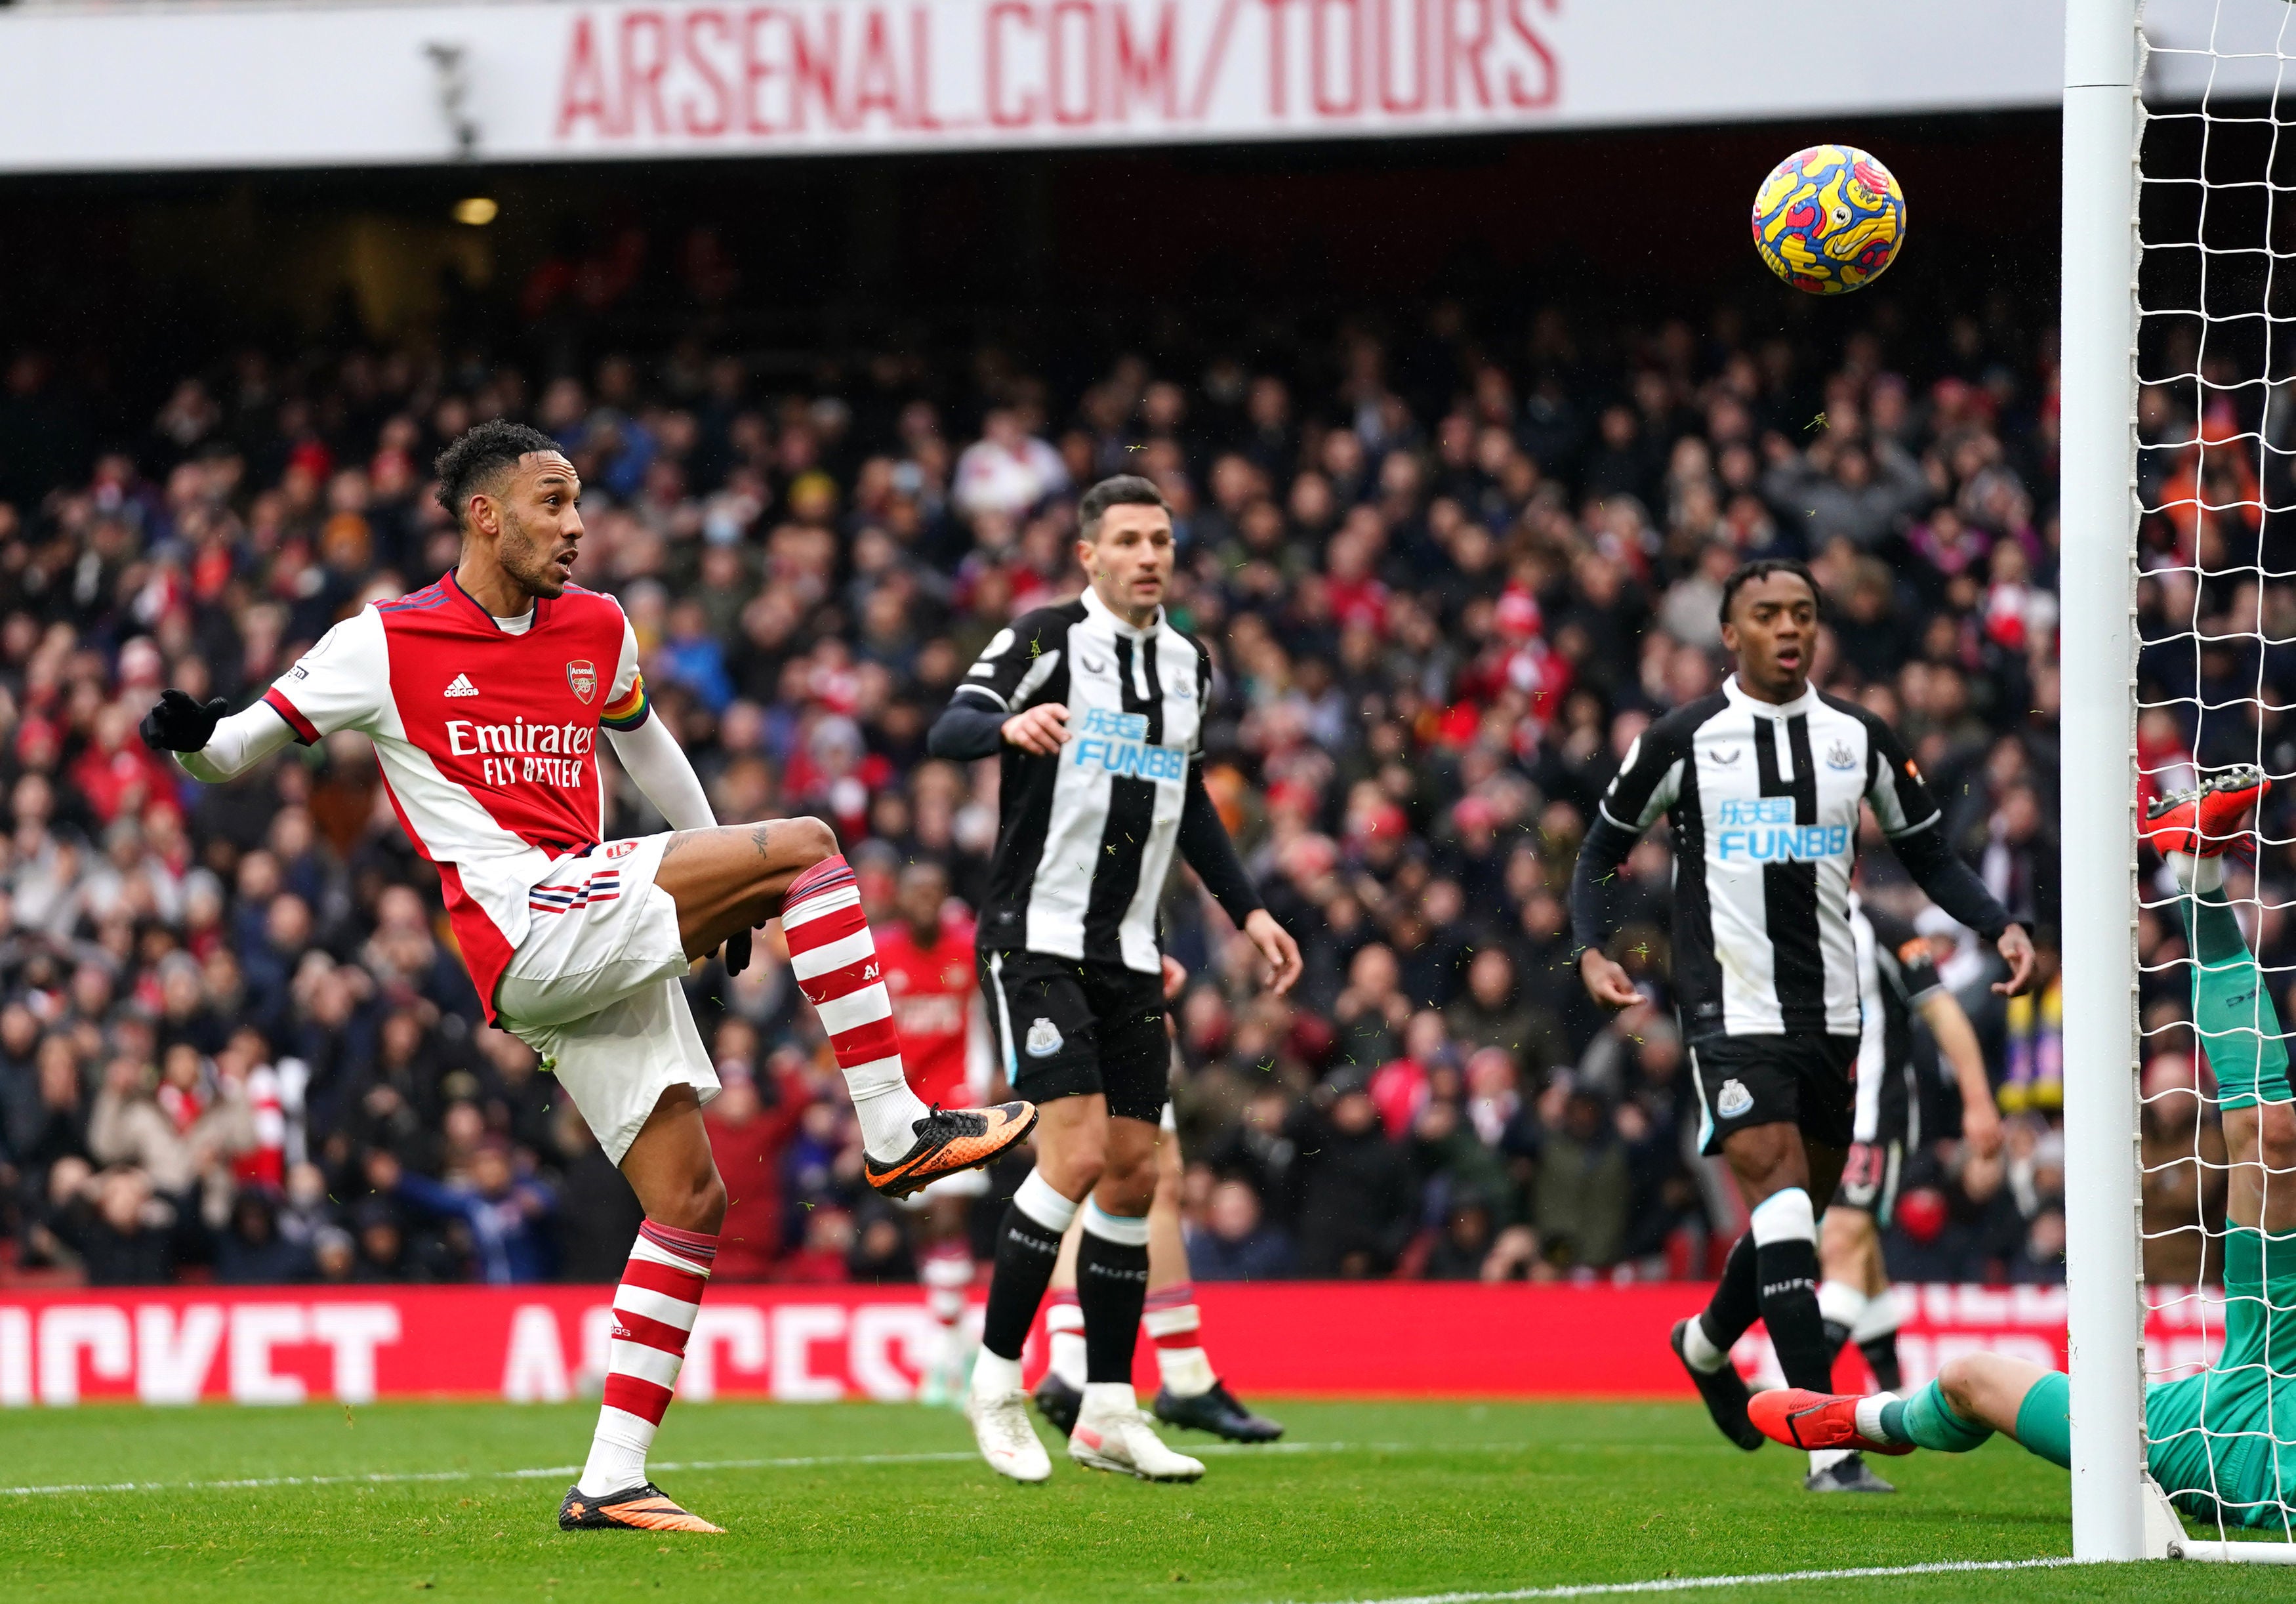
<point x="1809" y="1081"/>
<point x="1067" y="1028"/>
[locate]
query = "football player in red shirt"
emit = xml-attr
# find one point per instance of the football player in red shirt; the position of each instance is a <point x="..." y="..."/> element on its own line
<point x="485" y="695"/>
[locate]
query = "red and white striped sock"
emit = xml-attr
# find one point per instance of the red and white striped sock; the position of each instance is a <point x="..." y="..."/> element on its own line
<point x="1065" y="1335"/>
<point x="653" y="1314"/>
<point x="835" y="960"/>
<point x="1172" y="1322"/>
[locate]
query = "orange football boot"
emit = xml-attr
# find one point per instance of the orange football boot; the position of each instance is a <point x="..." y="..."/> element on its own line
<point x="646" y="1508"/>
<point x="2206" y="821"/>
<point x="1801" y="1418"/>
<point x="950" y="1140"/>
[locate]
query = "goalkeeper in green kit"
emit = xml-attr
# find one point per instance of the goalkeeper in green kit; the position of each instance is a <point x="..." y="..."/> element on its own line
<point x="2212" y="1444"/>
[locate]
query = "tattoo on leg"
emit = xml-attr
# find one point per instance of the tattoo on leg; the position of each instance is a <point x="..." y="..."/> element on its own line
<point x="758" y="839"/>
<point x="677" y="838"/>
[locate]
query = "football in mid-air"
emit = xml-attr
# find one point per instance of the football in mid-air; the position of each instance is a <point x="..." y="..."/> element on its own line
<point x="1829" y="219"/>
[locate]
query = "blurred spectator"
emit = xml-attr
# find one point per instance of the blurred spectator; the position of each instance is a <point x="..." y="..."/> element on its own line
<point x="1235" y="1242"/>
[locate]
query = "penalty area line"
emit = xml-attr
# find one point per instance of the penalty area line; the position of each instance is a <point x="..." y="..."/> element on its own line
<point x="1663" y="1585"/>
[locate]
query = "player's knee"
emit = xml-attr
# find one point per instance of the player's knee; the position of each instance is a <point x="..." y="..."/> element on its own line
<point x="1077" y="1168"/>
<point x="699" y="1206"/>
<point x="2276" y="1133"/>
<point x="810" y="839"/>
<point x="1960" y="1379"/>
<point x="1127" y="1184"/>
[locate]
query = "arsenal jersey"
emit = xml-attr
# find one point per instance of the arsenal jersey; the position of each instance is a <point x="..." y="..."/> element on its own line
<point x="486" y="731"/>
<point x="933" y="990"/>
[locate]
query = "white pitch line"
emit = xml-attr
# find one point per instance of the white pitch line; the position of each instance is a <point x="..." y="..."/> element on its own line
<point x="1590" y="1589"/>
<point x="793" y="1463"/>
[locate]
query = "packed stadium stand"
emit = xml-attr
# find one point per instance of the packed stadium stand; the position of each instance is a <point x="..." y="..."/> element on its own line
<point x="1451" y="556"/>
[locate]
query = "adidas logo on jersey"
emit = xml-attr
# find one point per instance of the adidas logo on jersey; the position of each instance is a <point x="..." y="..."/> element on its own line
<point x="462" y="686"/>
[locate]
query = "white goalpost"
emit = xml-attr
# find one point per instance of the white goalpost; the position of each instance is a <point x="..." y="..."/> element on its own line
<point x="2177" y="397"/>
<point x="2098" y="520"/>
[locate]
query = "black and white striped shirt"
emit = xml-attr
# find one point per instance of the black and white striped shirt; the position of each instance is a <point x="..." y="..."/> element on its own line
<point x="1764" y="798"/>
<point x="1086" y="837"/>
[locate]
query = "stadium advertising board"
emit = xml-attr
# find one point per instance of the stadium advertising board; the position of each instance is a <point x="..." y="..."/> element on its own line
<point x="821" y="1345"/>
<point x="165" y="86"/>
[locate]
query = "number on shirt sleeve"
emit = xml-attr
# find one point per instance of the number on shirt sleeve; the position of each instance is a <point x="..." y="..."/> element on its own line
<point x="626" y="705"/>
<point x="1015" y="665"/>
<point x="341" y="683"/>
<point x="1901" y="799"/>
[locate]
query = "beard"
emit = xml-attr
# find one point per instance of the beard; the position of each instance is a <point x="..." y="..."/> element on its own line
<point x="526" y="559"/>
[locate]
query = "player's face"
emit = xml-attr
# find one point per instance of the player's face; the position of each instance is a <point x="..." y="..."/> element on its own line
<point x="541" y="523"/>
<point x="1130" y="564"/>
<point x="1772" y="632"/>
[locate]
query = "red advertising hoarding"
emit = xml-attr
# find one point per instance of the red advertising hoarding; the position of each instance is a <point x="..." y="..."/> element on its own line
<point x="810" y="1344"/>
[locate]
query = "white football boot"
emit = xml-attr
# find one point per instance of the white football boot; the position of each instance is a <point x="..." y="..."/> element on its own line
<point x="1000" y="1425"/>
<point x="1123" y="1440"/>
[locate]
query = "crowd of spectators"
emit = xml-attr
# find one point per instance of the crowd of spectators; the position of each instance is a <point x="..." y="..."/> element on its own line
<point x="1447" y="570"/>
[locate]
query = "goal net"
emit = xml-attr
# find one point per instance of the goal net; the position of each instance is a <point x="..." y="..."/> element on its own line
<point x="2215" y="689"/>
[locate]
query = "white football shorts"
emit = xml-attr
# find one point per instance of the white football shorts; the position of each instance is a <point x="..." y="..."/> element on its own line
<point x="595" y="989"/>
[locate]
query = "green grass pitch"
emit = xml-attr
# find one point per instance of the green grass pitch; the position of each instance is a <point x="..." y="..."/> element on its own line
<point x="1363" y="1502"/>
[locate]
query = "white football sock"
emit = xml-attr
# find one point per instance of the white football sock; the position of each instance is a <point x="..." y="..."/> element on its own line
<point x="1107" y="1397"/>
<point x="1842" y="1304"/>
<point x="1065" y="1331"/>
<point x="1696" y="1346"/>
<point x="2197" y="873"/>
<point x="994" y="1376"/>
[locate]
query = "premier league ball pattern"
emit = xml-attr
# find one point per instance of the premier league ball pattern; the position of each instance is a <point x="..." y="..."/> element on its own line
<point x="1829" y="219"/>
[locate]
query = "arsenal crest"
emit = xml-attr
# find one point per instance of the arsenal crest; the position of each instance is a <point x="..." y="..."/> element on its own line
<point x="582" y="678"/>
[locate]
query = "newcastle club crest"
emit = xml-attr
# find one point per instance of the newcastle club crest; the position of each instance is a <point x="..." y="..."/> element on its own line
<point x="583" y="679"/>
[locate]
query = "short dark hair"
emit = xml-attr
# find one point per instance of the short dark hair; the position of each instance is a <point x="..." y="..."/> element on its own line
<point x="1762" y="567"/>
<point x="480" y="453"/>
<point x="1121" y="490"/>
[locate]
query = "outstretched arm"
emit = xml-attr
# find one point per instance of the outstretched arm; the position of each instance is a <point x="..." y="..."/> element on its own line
<point x="235" y="744"/>
<point x="340" y="683"/>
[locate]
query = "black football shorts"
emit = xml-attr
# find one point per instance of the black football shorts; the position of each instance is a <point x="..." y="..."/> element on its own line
<point x="1067" y="1028"/>
<point x="1807" y="1081"/>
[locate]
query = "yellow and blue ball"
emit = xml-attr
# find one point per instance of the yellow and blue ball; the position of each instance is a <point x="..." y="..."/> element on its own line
<point x="1829" y="219"/>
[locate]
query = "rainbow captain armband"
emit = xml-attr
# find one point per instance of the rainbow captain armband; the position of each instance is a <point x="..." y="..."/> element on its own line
<point x="630" y="712"/>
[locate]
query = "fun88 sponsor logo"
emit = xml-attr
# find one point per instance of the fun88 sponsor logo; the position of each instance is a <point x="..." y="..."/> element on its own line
<point x="1761" y="830"/>
<point x="1117" y="742"/>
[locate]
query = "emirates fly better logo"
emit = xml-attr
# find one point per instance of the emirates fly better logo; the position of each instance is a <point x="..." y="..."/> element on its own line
<point x="582" y="677"/>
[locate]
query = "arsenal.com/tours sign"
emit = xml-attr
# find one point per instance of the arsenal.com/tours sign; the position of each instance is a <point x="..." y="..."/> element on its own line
<point x="219" y="85"/>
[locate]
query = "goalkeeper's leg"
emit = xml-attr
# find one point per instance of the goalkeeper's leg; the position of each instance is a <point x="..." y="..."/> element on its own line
<point x="1974" y="1397"/>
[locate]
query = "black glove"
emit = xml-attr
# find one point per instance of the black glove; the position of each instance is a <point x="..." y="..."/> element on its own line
<point x="737" y="953"/>
<point x="177" y="723"/>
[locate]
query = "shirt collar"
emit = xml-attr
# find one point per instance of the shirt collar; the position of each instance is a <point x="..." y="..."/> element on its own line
<point x="1800" y="704"/>
<point x="1095" y="608"/>
<point x="454" y="588"/>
